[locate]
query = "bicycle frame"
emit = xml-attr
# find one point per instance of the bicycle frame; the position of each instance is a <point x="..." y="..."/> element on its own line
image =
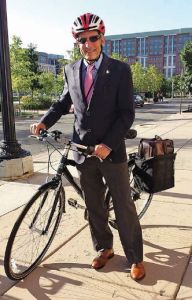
<point x="63" y="171"/>
<point x="56" y="182"/>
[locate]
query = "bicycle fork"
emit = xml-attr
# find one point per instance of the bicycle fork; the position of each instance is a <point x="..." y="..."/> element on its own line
<point x="47" y="225"/>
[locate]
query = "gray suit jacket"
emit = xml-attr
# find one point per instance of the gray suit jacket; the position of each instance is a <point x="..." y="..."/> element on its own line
<point x="111" y="110"/>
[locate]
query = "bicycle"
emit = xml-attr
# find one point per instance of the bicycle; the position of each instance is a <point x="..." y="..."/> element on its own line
<point x="38" y="222"/>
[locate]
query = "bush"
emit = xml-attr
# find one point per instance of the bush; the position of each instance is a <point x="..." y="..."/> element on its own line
<point x="44" y="102"/>
<point x="36" y="103"/>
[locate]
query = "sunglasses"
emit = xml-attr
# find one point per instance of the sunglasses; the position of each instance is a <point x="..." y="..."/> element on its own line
<point x="92" y="39"/>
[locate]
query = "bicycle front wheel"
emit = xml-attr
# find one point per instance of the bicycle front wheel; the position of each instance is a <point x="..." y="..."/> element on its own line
<point x="33" y="232"/>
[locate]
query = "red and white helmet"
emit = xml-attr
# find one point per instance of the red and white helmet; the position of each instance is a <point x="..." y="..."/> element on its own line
<point x="87" y="22"/>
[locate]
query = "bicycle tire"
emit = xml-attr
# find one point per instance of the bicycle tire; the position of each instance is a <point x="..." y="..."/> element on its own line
<point x="141" y="199"/>
<point x="28" y="241"/>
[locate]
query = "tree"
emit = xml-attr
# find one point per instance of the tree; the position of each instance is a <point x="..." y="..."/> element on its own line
<point x="32" y="58"/>
<point x="20" y="73"/>
<point x="186" y="58"/>
<point x="138" y="74"/>
<point x="75" y="54"/>
<point x="46" y="82"/>
<point x="58" y="84"/>
<point x="166" y="87"/>
<point x="183" y="85"/>
<point x="61" y="63"/>
<point x="119" y="57"/>
<point x="153" y="79"/>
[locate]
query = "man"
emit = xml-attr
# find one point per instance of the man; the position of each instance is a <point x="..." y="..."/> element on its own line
<point x="101" y="92"/>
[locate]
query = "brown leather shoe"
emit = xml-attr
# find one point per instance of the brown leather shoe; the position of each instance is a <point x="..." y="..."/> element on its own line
<point x="137" y="271"/>
<point x="101" y="260"/>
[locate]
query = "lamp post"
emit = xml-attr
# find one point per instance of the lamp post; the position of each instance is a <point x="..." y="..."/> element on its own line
<point x="9" y="149"/>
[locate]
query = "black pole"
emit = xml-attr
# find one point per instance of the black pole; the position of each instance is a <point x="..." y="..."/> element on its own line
<point x="9" y="148"/>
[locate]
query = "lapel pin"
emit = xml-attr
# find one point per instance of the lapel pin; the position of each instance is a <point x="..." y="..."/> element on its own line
<point x="107" y="72"/>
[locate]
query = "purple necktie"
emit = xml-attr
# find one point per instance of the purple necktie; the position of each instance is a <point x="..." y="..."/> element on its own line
<point x="88" y="83"/>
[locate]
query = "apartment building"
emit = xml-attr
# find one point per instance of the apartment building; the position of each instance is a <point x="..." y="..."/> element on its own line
<point x="49" y="62"/>
<point x="159" y="48"/>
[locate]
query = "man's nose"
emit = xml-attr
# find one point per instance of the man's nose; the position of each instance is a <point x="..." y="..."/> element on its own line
<point x="87" y="43"/>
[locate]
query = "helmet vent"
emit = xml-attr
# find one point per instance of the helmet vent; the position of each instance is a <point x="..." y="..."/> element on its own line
<point x="79" y="19"/>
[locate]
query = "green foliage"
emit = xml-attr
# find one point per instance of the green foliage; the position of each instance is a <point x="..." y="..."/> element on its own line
<point x="46" y="81"/>
<point x="139" y="77"/>
<point x="146" y="79"/>
<point x="58" y="84"/>
<point x="51" y="84"/>
<point x="183" y="84"/>
<point x="186" y="56"/>
<point x="154" y="79"/>
<point x="75" y="54"/>
<point x="26" y="77"/>
<point x="36" y="103"/>
<point x="44" y="101"/>
<point x="119" y="57"/>
<point x="28" y="103"/>
<point x="33" y="66"/>
<point x="166" y="87"/>
<point x="20" y="72"/>
<point x="62" y="63"/>
<point x="186" y="77"/>
<point x="32" y="59"/>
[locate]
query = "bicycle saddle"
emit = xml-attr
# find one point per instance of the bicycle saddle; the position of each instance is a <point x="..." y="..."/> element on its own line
<point x="131" y="134"/>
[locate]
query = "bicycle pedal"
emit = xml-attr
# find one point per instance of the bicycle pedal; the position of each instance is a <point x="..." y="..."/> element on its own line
<point x="74" y="203"/>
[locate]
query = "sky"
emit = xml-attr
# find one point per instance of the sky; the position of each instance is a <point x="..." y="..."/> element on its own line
<point x="47" y="23"/>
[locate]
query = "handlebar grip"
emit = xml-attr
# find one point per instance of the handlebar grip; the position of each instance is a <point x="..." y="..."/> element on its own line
<point x="90" y="150"/>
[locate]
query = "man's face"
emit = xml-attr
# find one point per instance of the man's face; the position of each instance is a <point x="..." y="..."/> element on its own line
<point x="90" y="50"/>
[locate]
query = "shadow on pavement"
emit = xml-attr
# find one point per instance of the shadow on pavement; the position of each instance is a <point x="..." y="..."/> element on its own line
<point x="51" y="286"/>
<point x="175" y="195"/>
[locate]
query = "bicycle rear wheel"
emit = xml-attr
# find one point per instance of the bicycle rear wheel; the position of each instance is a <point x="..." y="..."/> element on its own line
<point x="141" y="200"/>
<point x="33" y="232"/>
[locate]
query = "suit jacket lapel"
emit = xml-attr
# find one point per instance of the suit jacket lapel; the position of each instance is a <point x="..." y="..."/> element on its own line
<point x="103" y="72"/>
<point x="77" y="78"/>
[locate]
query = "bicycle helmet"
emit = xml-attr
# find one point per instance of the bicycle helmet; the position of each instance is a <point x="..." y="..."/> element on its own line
<point x="87" y="22"/>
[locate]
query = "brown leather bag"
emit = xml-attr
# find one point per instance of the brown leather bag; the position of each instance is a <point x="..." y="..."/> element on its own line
<point x="155" y="147"/>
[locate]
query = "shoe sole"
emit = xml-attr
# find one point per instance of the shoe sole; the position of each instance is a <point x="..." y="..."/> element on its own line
<point x="138" y="279"/>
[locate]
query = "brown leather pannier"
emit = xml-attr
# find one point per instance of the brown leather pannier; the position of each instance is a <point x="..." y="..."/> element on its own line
<point x="154" y="147"/>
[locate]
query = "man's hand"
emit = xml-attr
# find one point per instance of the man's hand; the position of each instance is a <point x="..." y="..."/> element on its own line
<point x="35" y="128"/>
<point x="101" y="151"/>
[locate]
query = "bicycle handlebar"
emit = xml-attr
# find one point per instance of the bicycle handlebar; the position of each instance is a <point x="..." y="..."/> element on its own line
<point x="56" y="134"/>
<point x="87" y="150"/>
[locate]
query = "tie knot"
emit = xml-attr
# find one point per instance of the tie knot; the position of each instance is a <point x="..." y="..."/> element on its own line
<point x="90" y="68"/>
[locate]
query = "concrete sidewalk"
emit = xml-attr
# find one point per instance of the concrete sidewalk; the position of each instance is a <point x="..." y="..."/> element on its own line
<point x="167" y="231"/>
